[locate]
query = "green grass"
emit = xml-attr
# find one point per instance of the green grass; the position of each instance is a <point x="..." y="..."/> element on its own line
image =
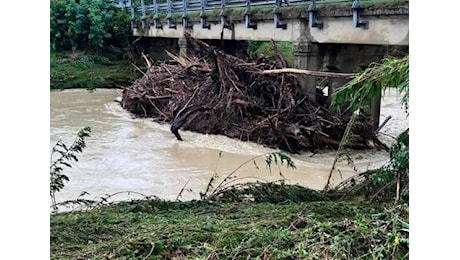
<point x="286" y="48"/>
<point x="89" y="71"/>
<point x="155" y="229"/>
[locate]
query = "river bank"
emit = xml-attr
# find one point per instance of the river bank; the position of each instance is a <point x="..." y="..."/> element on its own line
<point x="156" y="229"/>
<point x="88" y="71"/>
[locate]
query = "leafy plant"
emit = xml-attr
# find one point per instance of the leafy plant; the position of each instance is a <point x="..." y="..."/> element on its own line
<point x="391" y="73"/>
<point x="397" y="170"/>
<point x="65" y="156"/>
<point x="357" y="94"/>
<point x="273" y="157"/>
<point x="87" y="24"/>
<point x="276" y="158"/>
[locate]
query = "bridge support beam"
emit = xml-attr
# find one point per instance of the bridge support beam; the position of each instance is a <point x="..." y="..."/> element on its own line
<point x="307" y="56"/>
<point x="182" y="42"/>
<point x="351" y="58"/>
<point x="375" y="110"/>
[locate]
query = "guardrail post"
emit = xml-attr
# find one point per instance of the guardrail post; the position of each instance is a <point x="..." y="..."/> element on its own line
<point x="143" y="22"/>
<point x="223" y="16"/>
<point x="185" y="23"/>
<point x="247" y="16"/>
<point x="203" y="17"/>
<point x="277" y="16"/>
<point x="156" y="20"/>
<point x="312" y="11"/>
<point x="171" y="24"/>
<point x="131" y="10"/>
<point x="121" y="3"/>
<point x="356" y="16"/>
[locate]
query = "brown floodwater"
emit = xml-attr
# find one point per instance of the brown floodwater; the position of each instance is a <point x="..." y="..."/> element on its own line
<point x="128" y="156"/>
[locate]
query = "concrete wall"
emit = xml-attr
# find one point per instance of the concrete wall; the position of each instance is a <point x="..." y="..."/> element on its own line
<point x="390" y="30"/>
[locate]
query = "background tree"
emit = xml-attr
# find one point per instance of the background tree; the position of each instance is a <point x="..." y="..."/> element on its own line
<point x="87" y="25"/>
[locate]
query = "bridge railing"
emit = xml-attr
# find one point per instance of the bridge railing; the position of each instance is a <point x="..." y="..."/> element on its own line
<point x="181" y="7"/>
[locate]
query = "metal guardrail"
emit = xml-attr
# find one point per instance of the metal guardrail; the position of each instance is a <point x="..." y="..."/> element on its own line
<point x="181" y="7"/>
<point x="195" y="5"/>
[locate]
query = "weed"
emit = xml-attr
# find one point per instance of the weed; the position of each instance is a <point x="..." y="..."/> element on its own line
<point x="65" y="156"/>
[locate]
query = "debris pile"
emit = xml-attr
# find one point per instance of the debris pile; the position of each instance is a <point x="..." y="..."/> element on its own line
<point x="213" y="92"/>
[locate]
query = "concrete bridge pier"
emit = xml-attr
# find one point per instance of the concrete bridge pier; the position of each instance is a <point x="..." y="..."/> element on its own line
<point x="182" y="43"/>
<point x="352" y="58"/>
<point x="307" y="56"/>
<point x="347" y="58"/>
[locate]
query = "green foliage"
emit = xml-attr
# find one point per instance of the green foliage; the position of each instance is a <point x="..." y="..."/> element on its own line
<point x="391" y="73"/>
<point x="65" y="156"/>
<point x="286" y="49"/>
<point x="396" y="172"/>
<point x="155" y="229"/>
<point x="88" y="61"/>
<point x="87" y="24"/>
<point x="357" y="94"/>
<point x="90" y="72"/>
<point x="273" y="192"/>
<point x="276" y="158"/>
<point x="400" y="154"/>
<point x="254" y="45"/>
<point x="273" y="157"/>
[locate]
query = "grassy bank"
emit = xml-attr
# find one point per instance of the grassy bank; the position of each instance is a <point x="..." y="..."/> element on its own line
<point x="155" y="229"/>
<point x="79" y="70"/>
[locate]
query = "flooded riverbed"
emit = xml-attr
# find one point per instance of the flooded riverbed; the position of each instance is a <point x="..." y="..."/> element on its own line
<point x="127" y="154"/>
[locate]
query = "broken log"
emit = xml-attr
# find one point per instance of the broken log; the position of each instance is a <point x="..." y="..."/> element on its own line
<point x="310" y="72"/>
<point x="180" y="119"/>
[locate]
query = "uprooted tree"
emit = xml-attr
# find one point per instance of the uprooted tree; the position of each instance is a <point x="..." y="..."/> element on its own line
<point x="249" y="99"/>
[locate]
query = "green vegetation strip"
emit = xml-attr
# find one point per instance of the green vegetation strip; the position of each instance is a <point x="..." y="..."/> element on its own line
<point x="155" y="229"/>
<point x="90" y="72"/>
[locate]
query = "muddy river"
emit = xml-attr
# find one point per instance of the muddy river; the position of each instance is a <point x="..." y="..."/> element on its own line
<point x="127" y="156"/>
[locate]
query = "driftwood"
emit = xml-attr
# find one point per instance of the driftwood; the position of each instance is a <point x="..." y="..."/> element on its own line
<point x="253" y="99"/>
<point x="310" y="72"/>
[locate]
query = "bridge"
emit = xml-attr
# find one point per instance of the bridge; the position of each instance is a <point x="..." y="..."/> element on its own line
<point x="328" y="21"/>
<point x="333" y="35"/>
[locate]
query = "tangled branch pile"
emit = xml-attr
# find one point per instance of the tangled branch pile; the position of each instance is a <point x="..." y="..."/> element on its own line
<point x="216" y="93"/>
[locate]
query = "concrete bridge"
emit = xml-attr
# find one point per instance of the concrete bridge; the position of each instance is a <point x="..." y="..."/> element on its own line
<point x="333" y="35"/>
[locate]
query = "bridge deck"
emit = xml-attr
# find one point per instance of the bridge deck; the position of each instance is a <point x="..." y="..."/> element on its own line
<point x="383" y="22"/>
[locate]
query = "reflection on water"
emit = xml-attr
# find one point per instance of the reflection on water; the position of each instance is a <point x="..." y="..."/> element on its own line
<point x="127" y="154"/>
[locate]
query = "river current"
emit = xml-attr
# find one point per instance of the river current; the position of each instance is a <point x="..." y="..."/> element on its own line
<point x="126" y="157"/>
